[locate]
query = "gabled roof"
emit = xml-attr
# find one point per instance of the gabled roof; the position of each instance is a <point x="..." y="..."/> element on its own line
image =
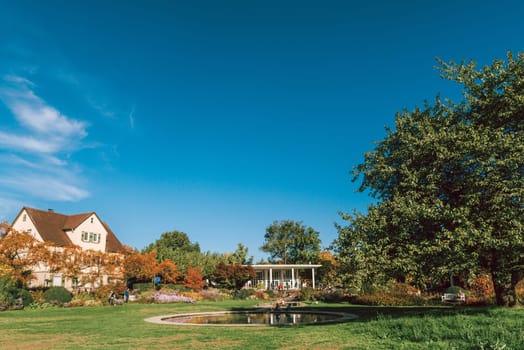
<point x="113" y="245"/>
<point x="52" y="227"/>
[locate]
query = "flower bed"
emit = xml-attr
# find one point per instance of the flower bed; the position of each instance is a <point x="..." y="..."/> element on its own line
<point x="168" y="297"/>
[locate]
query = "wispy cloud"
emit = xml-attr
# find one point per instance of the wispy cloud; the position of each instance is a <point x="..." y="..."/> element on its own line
<point x="47" y="124"/>
<point x="38" y="144"/>
<point x="132" y="118"/>
<point x="46" y="186"/>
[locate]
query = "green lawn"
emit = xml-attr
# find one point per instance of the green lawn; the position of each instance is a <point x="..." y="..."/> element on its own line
<point x="123" y="327"/>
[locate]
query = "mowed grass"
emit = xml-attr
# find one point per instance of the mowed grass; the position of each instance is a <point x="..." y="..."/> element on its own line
<point x="123" y="327"/>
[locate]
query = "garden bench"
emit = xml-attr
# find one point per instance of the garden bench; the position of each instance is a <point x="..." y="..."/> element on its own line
<point x="453" y="298"/>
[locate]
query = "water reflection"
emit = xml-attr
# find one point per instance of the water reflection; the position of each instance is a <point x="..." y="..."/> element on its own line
<point x="256" y="318"/>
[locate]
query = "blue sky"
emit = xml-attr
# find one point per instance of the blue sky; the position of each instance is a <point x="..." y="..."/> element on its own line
<point x="218" y="117"/>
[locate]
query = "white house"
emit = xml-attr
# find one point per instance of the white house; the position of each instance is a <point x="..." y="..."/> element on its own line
<point x="84" y="230"/>
<point x="282" y="276"/>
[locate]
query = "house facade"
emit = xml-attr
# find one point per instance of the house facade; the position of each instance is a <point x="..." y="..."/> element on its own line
<point x="85" y="230"/>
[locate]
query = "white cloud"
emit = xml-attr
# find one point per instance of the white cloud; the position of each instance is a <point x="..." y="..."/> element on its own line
<point x="27" y="143"/>
<point x="45" y="186"/>
<point x="35" y="115"/>
<point x="37" y="149"/>
<point x="38" y="117"/>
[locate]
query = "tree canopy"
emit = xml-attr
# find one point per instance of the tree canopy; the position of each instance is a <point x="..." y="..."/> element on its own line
<point x="449" y="185"/>
<point x="291" y="242"/>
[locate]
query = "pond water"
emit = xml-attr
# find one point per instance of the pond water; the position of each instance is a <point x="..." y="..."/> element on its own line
<point x="254" y="318"/>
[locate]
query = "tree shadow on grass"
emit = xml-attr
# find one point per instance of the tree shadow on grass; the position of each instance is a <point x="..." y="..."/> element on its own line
<point x="371" y="313"/>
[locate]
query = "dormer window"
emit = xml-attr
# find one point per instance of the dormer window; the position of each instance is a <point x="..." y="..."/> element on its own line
<point x="24" y="218"/>
<point x="91" y="220"/>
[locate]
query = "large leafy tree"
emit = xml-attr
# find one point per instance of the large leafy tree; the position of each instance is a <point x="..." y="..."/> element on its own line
<point x="232" y="276"/>
<point x="239" y="256"/>
<point x="291" y="242"/>
<point x="177" y="247"/>
<point x="449" y="185"/>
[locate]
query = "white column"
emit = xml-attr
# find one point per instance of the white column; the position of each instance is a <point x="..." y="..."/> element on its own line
<point x="293" y="277"/>
<point x="313" y="276"/>
<point x="270" y="278"/>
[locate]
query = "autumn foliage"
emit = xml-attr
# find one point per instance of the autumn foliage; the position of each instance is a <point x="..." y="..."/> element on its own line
<point x="24" y="255"/>
<point x="194" y="279"/>
<point x="167" y="271"/>
<point x="20" y="252"/>
<point x="232" y="276"/>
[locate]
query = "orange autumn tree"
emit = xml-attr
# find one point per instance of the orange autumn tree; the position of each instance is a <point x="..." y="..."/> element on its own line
<point x="21" y="252"/>
<point x="194" y="279"/>
<point x="70" y="264"/>
<point x="167" y="271"/>
<point x="105" y="265"/>
<point x="139" y="266"/>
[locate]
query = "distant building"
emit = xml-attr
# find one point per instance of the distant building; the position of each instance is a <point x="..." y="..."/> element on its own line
<point x="85" y="230"/>
<point x="283" y="276"/>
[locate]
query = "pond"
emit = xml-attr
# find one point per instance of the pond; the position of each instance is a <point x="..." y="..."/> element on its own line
<point x="254" y="318"/>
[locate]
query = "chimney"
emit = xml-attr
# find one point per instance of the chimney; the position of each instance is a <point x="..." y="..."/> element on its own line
<point x="51" y="210"/>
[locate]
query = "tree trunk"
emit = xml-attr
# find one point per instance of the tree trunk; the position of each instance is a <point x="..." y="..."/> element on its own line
<point x="505" y="284"/>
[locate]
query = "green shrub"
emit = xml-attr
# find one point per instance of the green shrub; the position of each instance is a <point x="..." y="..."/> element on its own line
<point x="243" y="294"/>
<point x="307" y="294"/>
<point x="26" y="297"/>
<point x="8" y="292"/>
<point x="58" y="295"/>
<point x="335" y="296"/>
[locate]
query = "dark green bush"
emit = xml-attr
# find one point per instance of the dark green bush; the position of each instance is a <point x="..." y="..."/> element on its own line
<point x="243" y="294"/>
<point x="58" y="295"/>
<point x="8" y="292"/>
<point x="26" y="297"/>
<point x="335" y="296"/>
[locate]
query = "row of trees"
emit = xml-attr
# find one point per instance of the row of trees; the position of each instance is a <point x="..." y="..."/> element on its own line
<point x="21" y="256"/>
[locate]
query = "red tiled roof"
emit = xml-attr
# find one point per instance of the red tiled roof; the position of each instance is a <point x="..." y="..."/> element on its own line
<point x="52" y="227"/>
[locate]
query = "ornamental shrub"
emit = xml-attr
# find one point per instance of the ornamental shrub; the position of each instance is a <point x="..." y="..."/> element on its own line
<point x="243" y="294"/>
<point x="8" y="293"/>
<point x="58" y="295"/>
<point x="333" y="296"/>
<point x="307" y="294"/>
<point x="388" y="299"/>
<point x="26" y="297"/>
<point x="482" y="286"/>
